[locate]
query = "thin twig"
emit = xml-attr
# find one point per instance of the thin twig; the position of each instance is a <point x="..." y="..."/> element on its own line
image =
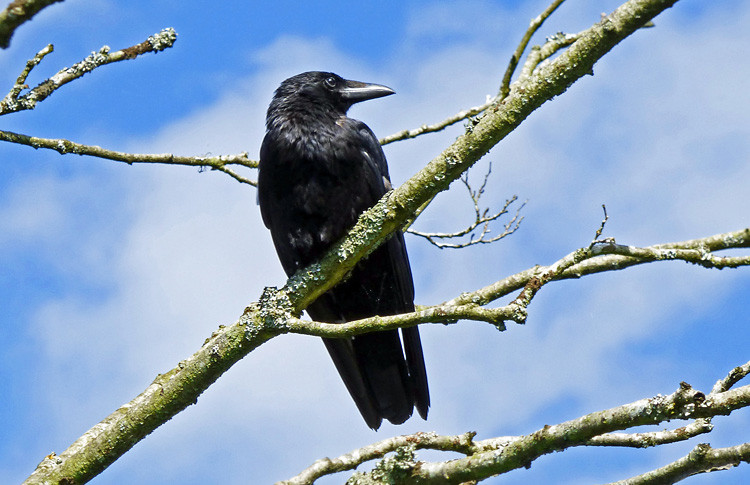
<point x="535" y="24"/>
<point x="21" y="81"/>
<point x="601" y="230"/>
<point x="13" y="102"/>
<point x="481" y="218"/>
<point x="655" y="438"/>
<point x="63" y="147"/>
<point x="461" y="115"/>
<point x="734" y="376"/>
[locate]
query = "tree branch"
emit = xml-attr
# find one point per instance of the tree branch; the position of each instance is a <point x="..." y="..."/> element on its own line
<point x="608" y="259"/>
<point x="656" y="438"/>
<point x="63" y="147"/>
<point x="499" y="455"/>
<point x="598" y="258"/>
<point x="170" y="393"/>
<point x="16" y="13"/>
<point x="504" y="87"/>
<point x="516" y="57"/>
<point x="481" y="218"/>
<point x="701" y="459"/>
<point x="13" y="102"/>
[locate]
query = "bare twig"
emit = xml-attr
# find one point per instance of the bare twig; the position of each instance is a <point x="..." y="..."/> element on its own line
<point x="62" y="146"/>
<point x="516" y="57"/>
<point x="613" y="257"/>
<point x="461" y="115"/>
<point x="13" y="101"/>
<point x="734" y="376"/>
<point x="535" y="24"/>
<point x="21" y="81"/>
<point x="601" y="230"/>
<point x="15" y="14"/>
<point x="481" y="219"/>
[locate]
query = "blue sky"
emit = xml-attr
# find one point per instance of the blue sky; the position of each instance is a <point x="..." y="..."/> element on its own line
<point x="110" y="274"/>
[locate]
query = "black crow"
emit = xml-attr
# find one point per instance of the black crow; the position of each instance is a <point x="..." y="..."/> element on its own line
<point x="319" y="170"/>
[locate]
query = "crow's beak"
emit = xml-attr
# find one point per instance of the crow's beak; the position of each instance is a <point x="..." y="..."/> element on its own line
<point x="355" y="91"/>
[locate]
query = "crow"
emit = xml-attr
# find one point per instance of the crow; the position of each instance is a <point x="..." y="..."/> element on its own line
<point x="319" y="170"/>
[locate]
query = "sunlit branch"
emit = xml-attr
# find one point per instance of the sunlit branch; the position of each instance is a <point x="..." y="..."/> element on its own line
<point x="14" y="101"/>
<point x="63" y="147"/>
<point x="535" y="24"/>
<point x="701" y="459"/>
<point x="516" y="57"/>
<point x="599" y="258"/>
<point x="267" y="319"/>
<point x="498" y="455"/>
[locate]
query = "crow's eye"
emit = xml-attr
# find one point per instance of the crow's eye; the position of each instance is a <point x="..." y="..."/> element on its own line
<point x="331" y="82"/>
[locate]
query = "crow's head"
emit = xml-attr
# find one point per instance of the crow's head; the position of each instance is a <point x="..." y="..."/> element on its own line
<point x="323" y="92"/>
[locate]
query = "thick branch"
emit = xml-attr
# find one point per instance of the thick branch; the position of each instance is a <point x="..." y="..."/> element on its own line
<point x="15" y="14"/>
<point x="62" y="146"/>
<point x="394" y="210"/>
<point x="169" y="394"/>
<point x="469" y="306"/>
<point x="103" y="444"/>
<point x="499" y="455"/>
<point x="13" y="102"/>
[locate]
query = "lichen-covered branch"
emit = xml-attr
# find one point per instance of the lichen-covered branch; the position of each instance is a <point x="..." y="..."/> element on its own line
<point x="516" y="57"/>
<point x="598" y="257"/>
<point x="327" y="466"/>
<point x="701" y="459"/>
<point x="611" y="257"/>
<point x="499" y="455"/>
<point x="655" y="438"/>
<point x="63" y="147"/>
<point x="16" y="13"/>
<point x="485" y="458"/>
<point x="15" y="101"/>
<point x="170" y="393"/>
